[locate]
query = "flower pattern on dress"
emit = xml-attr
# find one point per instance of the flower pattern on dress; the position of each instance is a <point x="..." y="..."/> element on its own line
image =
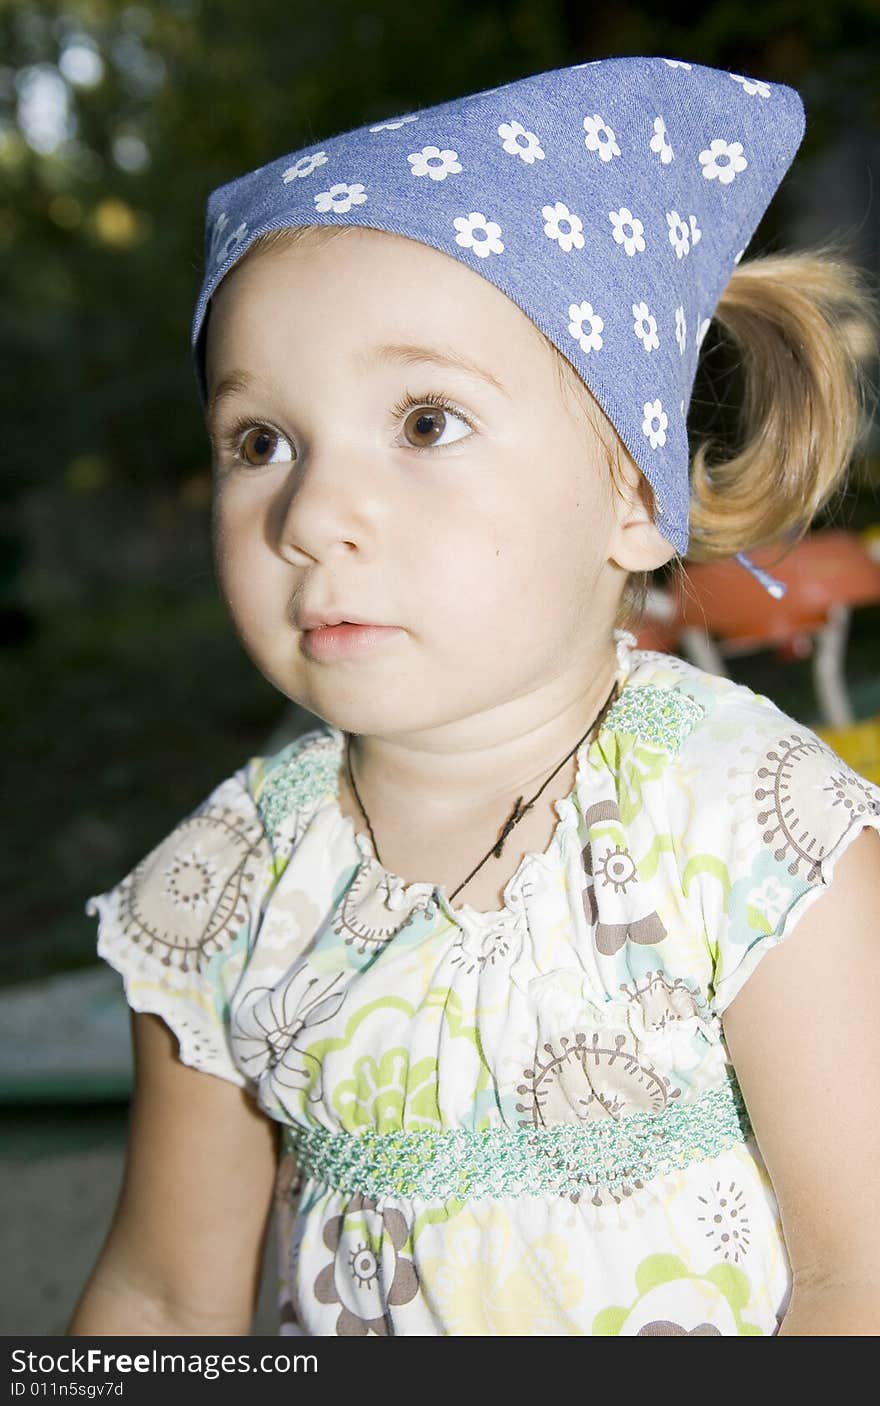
<point x="266" y="1023"/>
<point x="769" y="901"/>
<point x="660" y="143"/>
<point x="708" y="1304"/>
<point x="304" y="166"/>
<point x="585" y="326"/>
<point x="627" y="230"/>
<point x="725" y="1218"/>
<point x="478" y="233"/>
<point x="517" y="141"/>
<point x="340" y="197"/>
<point x="615" y="904"/>
<point x="433" y="162"/>
<point x="555" y="217"/>
<point x="645" y="326"/>
<point x="700" y="819"/>
<point x="655" y="423"/>
<point x="484" y="1285"/>
<point x="600" y="138"/>
<point x="367" y="1271"/>
<point x="723" y="160"/>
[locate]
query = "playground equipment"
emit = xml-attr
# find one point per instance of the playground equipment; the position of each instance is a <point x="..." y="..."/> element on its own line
<point x="720" y="611"/>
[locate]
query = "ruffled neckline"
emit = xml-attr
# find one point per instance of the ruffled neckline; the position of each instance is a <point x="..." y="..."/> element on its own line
<point x="401" y="895"/>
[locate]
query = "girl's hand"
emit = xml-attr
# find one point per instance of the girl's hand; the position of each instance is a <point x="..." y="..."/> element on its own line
<point x="804" y="1037"/>
<point x="184" y="1252"/>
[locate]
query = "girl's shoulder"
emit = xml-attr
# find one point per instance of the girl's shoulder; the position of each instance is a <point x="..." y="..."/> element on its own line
<point x="753" y="806"/>
<point x="712" y="729"/>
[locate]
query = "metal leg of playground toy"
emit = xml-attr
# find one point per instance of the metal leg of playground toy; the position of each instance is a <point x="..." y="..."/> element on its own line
<point x="829" y="680"/>
<point x="702" y="650"/>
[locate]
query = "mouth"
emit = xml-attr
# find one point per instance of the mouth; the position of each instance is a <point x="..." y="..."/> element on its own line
<point x="345" y="638"/>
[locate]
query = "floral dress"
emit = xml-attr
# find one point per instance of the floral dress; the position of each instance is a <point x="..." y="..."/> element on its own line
<point x="523" y="1122"/>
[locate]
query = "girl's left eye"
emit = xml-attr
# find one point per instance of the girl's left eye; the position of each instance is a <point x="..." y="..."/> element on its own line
<point x="426" y="422"/>
<point x="430" y="424"/>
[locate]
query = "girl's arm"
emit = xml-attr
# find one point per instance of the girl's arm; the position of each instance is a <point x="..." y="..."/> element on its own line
<point x="184" y="1252"/>
<point x="804" y="1037"/>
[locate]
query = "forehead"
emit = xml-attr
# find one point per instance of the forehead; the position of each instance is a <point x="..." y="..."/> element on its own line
<point x="363" y="286"/>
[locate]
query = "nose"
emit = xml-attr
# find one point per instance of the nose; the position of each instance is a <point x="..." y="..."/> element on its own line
<point x="327" y="507"/>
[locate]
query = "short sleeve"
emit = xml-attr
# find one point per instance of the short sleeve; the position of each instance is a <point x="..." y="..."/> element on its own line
<point x="179" y="927"/>
<point x="792" y="807"/>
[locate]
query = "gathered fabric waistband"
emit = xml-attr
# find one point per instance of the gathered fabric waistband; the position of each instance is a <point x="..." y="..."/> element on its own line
<point x="568" y="1159"/>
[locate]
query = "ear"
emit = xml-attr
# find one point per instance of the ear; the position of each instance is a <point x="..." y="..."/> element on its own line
<point x="636" y="544"/>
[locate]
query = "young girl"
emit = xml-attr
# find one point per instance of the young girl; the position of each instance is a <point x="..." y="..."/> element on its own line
<point x="483" y="967"/>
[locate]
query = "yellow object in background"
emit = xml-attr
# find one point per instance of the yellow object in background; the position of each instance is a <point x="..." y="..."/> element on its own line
<point x="871" y="539"/>
<point x="858" y="744"/>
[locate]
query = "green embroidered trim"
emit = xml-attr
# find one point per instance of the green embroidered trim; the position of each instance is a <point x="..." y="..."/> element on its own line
<point x="568" y="1159"/>
<point x="308" y="773"/>
<point x="663" y="716"/>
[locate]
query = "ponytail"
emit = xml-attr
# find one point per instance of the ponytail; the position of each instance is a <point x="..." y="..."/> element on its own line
<point x="805" y="326"/>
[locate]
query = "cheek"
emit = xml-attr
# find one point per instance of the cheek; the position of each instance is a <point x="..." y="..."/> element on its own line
<point x="504" y="574"/>
<point x="244" y="574"/>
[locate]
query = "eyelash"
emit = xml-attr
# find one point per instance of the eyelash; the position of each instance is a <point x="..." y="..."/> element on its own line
<point x="230" y="438"/>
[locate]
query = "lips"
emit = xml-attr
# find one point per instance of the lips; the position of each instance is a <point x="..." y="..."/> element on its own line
<point x="316" y="619"/>
<point x="345" y="640"/>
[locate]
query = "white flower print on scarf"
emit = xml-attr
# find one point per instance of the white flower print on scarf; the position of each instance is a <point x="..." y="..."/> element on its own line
<point x="469" y="226"/>
<point x="627" y="230"/>
<point x="340" y="198"/>
<point x="680" y="329"/>
<point x="393" y="125"/>
<point x="222" y="243"/>
<point x="555" y="216"/>
<point x="754" y="86"/>
<point x="600" y="138"/>
<point x="433" y="162"/>
<point x="305" y="166"/>
<point x="683" y="234"/>
<point x="512" y="135"/>
<point x="660" y="142"/>
<point x="722" y="160"/>
<point x="585" y="326"/>
<point x="645" y="326"/>
<point x="655" y="423"/>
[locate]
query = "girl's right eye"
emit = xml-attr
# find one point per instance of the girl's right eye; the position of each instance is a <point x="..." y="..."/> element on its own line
<point x="245" y="438"/>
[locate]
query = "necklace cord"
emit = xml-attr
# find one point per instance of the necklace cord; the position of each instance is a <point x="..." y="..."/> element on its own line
<point x="516" y="813"/>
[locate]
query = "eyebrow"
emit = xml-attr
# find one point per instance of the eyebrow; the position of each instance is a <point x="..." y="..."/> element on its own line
<point x="411" y="355"/>
<point x="407" y="353"/>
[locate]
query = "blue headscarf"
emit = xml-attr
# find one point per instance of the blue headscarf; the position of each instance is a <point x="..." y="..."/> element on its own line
<point x="609" y="200"/>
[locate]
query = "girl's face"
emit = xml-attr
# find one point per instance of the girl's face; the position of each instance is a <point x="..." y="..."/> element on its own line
<point x="480" y="519"/>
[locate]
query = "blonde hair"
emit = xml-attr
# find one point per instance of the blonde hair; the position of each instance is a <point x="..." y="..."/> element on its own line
<point x="804" y="327"/>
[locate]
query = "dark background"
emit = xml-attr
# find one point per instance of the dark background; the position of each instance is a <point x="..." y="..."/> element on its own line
<point x="125" y="694"/>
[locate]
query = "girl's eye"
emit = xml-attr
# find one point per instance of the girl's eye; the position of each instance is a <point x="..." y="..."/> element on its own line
<point x="249" y="443"/>
<point x="256" y="445"/>
<point x="429" y="420"/>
